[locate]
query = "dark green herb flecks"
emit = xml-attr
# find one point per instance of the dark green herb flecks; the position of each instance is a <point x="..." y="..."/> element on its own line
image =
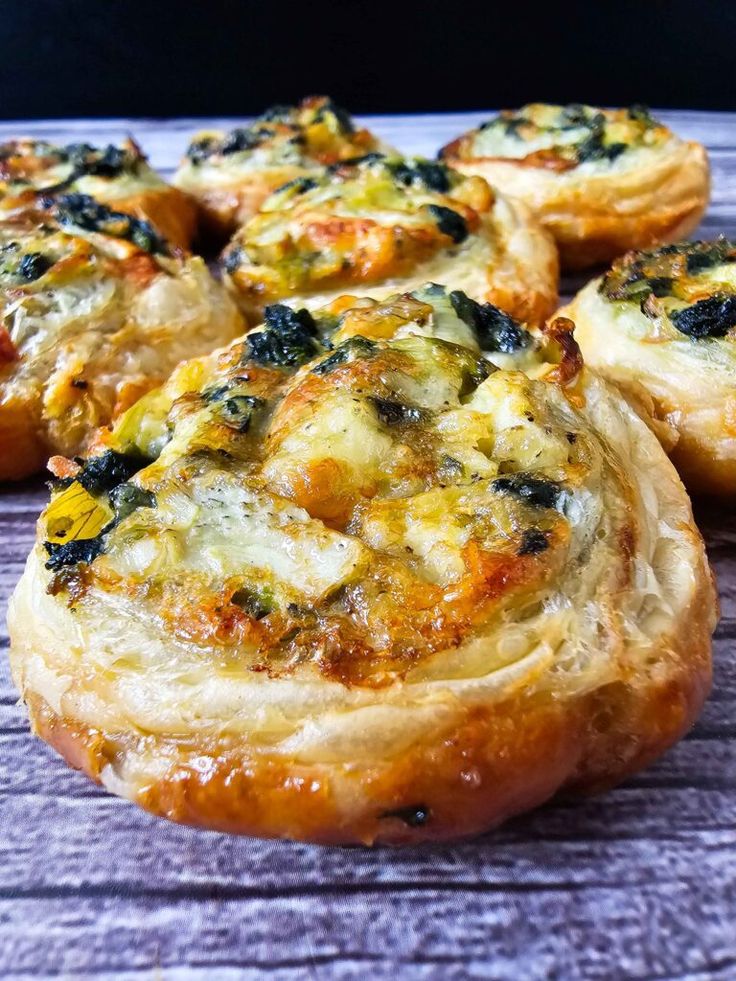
<point x="393" y="413"/>
<point x="127" y="498"/>
<point x="257" y="604"/>
<point x="712" y="317"/>
<point x="350" y="350"/>
<point x="289" y="338"/>
<point x="449" y="222"/>
<point x="494" y="329"/>
<point x="33" y="265"/>
<point x="533" y="541"/>
<point x="430" y="174"/>
<point x="535" y="491"/>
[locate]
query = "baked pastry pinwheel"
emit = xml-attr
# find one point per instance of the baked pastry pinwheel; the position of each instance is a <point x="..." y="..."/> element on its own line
<point x="118" y="176"/>
<point x="348" y="581"/>
<point x="231" y="174"/>
<point x="602" y="180"/>
<point x="381" y="224"/>
<point x="662" y="326"/>
<point x="96" y="310"/>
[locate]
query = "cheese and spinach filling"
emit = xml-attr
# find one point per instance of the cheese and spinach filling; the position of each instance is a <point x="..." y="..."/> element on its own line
<point x="567" y="136"/>
<point x="317" y="131"/>
<point x="359" y="221"/>
<point x="67" y="265"/>
<point x="690" y="286"/>
<point x="42" y="168"/>
<point x="356" y="488"/>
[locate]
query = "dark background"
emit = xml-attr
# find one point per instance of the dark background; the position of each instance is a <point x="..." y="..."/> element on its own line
<point x="132" y="58"/>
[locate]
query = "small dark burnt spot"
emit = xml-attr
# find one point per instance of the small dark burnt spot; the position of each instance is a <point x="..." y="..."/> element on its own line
<point x="533" y="541"/>
<point x="415" y="816"/>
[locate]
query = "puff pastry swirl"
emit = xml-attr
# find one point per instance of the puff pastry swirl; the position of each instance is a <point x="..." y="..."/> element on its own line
<point x="96" y="310"/>
<point x="118" y="176"/>
<point x="381" y="224"/>
<point x="349" y="580"/>
<point x="602" y="180"/>
<point x="231" y="174"/>
<point x="662" y="326"/>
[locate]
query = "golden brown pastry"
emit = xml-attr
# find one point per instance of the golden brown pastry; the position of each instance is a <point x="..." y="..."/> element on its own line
<point x="602" y="180"/>
<point x="662" y="326"/>
<point x="381" y="224"/>
<point x="231" y="174"/>
<point x="346" y="581"/>
<point x="96" y="310"/>
<point x="117" y="176"/>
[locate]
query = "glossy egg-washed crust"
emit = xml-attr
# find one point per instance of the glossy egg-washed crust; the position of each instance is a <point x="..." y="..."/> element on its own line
<point x="662" y="326"/>
<point x="601" y="180"/>
<point x="344" y="581"/>
<point x="96" y="310"/>
<point x="381" y="224"/>
<point x="118" y="176"/>
<point x="231" y="174"/>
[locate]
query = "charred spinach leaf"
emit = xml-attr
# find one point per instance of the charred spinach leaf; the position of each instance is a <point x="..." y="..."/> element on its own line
<point x="84" y="212"/>
<point x="102" y="473"/>
<point x="449" y="222"/>
<point x="638" y="275"/>
<point x="235" y="407"/>
<point x="533" y="541"/>
<point x="127" y="498"/>
<point x="712" y="317"/>
<point x="288" y="339"/>
<point x="535" y="491"/>
<point x="494" y="329"/>
<point x="33" y="265"/>
<point x="72" y="553"/>
<point x="393" y="413"/>
<point x="350" y="350"/>
<point x="427" y="173"/>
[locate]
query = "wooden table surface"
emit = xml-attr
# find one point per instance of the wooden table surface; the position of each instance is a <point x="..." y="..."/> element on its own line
<point x="639" y="883"/>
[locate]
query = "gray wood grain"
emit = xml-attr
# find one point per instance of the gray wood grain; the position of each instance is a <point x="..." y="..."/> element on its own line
<point x="638" y="883"/>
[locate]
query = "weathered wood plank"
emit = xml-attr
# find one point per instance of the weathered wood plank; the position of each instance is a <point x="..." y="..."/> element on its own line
<point x="642" y="931"/>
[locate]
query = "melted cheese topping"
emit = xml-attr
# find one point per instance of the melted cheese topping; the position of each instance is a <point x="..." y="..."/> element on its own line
<point x="569" y="137"/>
<point x="379" y="498"/>
<point x="379" y="221"/>
<point x="31" y="167"/>
<point x="285" y="139"/>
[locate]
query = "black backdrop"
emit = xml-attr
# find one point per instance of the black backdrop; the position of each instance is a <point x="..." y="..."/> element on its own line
<point x="211" y="57"/>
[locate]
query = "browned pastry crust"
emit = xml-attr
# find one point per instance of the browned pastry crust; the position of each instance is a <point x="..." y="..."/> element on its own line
<point x="490" y="765"/>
